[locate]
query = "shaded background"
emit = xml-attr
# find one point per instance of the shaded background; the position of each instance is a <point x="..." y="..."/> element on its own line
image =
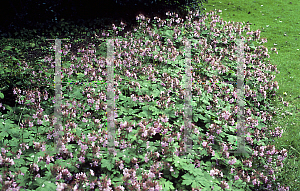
<point x="32" y="14"/>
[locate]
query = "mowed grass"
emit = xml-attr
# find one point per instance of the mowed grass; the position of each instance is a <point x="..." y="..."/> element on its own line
<point x="279" y="22"/>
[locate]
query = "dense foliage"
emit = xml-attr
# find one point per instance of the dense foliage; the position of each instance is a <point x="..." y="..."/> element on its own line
<point x="149" y="76"/>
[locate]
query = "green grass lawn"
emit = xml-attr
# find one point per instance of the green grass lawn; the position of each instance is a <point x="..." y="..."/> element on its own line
<point x="279" y="22"/>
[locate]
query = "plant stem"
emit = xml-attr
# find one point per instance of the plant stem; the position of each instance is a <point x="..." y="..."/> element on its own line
<point x="19" y="124"/>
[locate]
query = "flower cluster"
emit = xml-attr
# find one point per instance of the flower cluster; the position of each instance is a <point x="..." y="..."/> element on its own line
<point x="84" y="108"/>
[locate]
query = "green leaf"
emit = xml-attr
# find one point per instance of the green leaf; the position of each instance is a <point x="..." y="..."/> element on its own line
<point x="77" y="93"/>
<point x="154" y="110"/>
<point x="205" y="32"/>
<point x="175" y="173"/>
<point x="132" y="137"/>
<point x="39" y="182"/>
<point x="24" y="170"/>
<point x="188" y="179"/>
<point x="31" y="45"/>
<point x="80" y="75"/>
<point x="187" y="167"/>
<point x="1" y="95"/>
<point x="107" y="164"/>
<point x="232" y="139"/>
<point x="199" y="116"/>
<point x="143" y="114"/>
<point x="156" y="93"/>
<point x="196" y="185"/>
<point x="21" y="180"/>
<point x="78" y="131"/>
<point x="166" y="33"/>
<point x="48" y="173"/>
<point x="47" y="186"/>
<point x="25" y="133"/>
<point x="168" y="185"/>
<point x="193" y="103"/>
<point x="126" y="159"/>
<point x="5" y="127"/>
<point x="252" y="46"/>
<point x="8" y="48"/>
<point x="197" y="172"/>
<point x="217" y="156"/>
<point x="117" y="179"/>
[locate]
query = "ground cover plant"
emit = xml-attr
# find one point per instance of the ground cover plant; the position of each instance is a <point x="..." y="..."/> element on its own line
<point x="278" y="21"/>
<point x="149" y="73"/>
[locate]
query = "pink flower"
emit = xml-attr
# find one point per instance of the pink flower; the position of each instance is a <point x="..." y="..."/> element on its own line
<point x="84" y="147"/>
<point x="95" y="163"/>
<point x="46" y="117"/>
<point x="146" y="159"/>
<point x="164" y="144"/>
<point x="225" y="148"/>
<point x="92" y="172"/>
<point x="151" y="175"/>
<point x="141" y="99"/>
<point x="236" y="177"/>
<point x="133" y="97"/>
<point x="145" y="133"/>
<point x="81" y="159"/>
<point x="121" y="166"/>
<point x="58" y="177"/>
<point x="254" y="182"/>
<point x="224" y="184"/>
<point x="49" y="136"/>
<point x="213" y="172"/>
<point x="171" y="168"/>
<point x="49" y="159"/>
<point x="176" y="113"/>
<point x="213" y="153"/>
<point x="137" y="166"/>
<point x="231" y="162"/>
<point x="43" y="148"/>
<point x="39" y="122"/>
<point x="84" y="120"/>
<point x="92" y="185"/>
<point x="225" y="115"/>
<point x="249" y="33"/>
<point x="255" y="153"/>
<point x="165" y="120"/>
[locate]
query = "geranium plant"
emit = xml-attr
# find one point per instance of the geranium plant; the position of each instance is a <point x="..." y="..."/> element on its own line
<point x="149" y="69"/>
